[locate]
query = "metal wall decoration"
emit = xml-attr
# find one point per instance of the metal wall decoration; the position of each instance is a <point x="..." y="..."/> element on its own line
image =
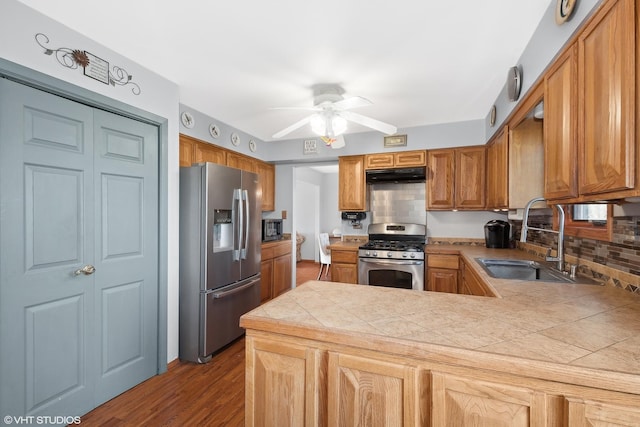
<point x="93" y="66"/>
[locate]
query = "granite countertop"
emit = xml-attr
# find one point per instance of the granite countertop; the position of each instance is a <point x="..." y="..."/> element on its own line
<point x="579" y="334"/>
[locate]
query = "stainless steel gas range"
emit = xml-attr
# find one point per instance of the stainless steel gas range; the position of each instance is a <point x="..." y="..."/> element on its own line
<point x="393" y="256"/>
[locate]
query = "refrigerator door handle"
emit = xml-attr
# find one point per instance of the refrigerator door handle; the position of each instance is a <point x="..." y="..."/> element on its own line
<point x="243" y="249"/>
<point x="237" y="229"/>
<point x="219" y="295"/>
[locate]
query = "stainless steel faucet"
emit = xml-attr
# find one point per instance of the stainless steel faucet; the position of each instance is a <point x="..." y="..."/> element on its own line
<point x="559" y="258"/>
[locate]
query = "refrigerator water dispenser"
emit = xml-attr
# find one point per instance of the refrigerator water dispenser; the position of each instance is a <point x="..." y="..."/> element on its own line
<point x="222" y="230"/>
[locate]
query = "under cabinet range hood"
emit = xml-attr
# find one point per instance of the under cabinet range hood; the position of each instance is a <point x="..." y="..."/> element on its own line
<point x="396" y="175"/>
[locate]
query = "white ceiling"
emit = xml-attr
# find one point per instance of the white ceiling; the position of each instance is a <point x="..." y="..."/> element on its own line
<point x="419" y="62"/>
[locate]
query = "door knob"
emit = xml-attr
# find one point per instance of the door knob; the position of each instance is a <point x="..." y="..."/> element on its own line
<point x="86" y="270"/>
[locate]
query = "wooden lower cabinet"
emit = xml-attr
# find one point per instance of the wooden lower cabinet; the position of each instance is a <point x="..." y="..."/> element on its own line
<point x="470" y="283"/>
<point x="582" y="413"/>
<point x="275" y="269"/>
<point x="344" y="266"/>
<point x="369" y="392"/>
<point x="295" y="381"/>
<point x="442" y="273"/>
<point x="458" y="401"/>
<point x="284" y="384"/>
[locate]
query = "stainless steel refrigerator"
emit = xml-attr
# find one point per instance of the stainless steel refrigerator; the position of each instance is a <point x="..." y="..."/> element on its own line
<point x="220" y="219"/>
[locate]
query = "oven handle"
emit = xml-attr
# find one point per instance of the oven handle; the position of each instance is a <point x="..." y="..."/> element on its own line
<point x="388" y="262"/>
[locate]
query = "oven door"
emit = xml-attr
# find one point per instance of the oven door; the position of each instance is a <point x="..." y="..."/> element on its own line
<point x="404" y="274"/>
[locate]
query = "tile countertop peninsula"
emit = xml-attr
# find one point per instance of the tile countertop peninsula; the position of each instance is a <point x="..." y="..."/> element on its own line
<point x="585" y="335"/>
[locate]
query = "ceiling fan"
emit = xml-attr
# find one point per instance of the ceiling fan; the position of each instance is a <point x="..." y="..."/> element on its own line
<point x="331" y="115"/>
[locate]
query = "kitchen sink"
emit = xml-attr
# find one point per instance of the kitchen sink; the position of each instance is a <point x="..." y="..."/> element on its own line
<point x="517" y="269"/>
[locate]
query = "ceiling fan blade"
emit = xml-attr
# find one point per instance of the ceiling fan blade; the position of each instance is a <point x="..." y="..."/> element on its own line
<point x="291" y="128"/>
<point x="353" y="102"/>
<point x="383" y="127"/>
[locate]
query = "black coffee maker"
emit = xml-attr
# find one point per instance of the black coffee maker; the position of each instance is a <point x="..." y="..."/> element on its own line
<point x="497" y="234"/>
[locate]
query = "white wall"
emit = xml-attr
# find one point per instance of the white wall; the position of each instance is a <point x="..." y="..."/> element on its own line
<point x="306" y="210"/>
<point x="18" y="26"/>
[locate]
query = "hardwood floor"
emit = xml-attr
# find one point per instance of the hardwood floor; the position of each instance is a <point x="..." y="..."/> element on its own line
<point x="189" y="394"/>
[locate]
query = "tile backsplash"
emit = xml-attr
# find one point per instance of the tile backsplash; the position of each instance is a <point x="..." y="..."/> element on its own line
<point x="398" y="202"/>
<point x="616" y="262"/>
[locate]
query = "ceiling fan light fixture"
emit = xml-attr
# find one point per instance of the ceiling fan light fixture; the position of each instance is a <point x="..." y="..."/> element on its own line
<point x="318" y="124"/>
<point x="328" y="124"/>
<point x="338" y="124"/>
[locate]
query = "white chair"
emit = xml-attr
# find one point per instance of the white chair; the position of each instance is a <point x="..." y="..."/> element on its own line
<point x="325" y="253"/>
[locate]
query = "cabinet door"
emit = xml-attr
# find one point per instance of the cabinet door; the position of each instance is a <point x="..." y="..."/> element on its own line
<point x="461" y="401"/>
<point x="266" y="279"/>
<point x="239" y="161"/>
<point x="281" y="274"/>
<point x="410" y="158"/>
<point x="440" y="176"/>
<point x="186" y="151"/>
<point x="470" y="178"/>
<point x="606" y="78"/>
<point x="373" y="393"/>
<point x="442" y="280"/>
<point x="560" y="127"/>
<point x="498" y="171"/>
<point x="284" y="385"/>
<point x="344" y="273"/>
<point x="267" y="176"/>
<point x="352" y="186"/>
<point x="582" y="414"/>
<point x="208" y="153"/>
<point x="379" y="161"/>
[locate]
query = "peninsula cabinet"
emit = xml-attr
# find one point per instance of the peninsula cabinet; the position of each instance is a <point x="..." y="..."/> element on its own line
<point x="589" y="413"/>
<point x="296" y="381"/>
<point x="498" y="171"/>
<point x="352" y="187"/>
<point x="390" y="390"/>
<point x="456" y="178"/>
<point x="594" y="118"/>
<point x="284" y="384"/>
<point x="400" y="159"/>
<point x="459" y="401"/>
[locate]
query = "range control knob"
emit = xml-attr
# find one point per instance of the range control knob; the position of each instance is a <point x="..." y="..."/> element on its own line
<point x="413" y="255"/>
<point x="404" y="255"/>
<point x="374" y="253"/>
<point x="389" y="254"/>
<point x="366" y="253"/>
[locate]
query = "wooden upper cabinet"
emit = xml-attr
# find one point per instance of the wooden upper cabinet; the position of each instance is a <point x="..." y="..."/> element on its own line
<point x="560" y="127"/>
<point x="498" y="171"/>
<point x="267" y="178"/>
<point x="379" y="161"/>
<point x="187" y="148"/>
<point x="470" y="177"/>
<point x="240" y="161"/>
<point x="193" y="150"/>
<point x="456" y="178"/>
<point x="352" y="192"/>
<point x="440" y="176"/>
<point x="606" y="100"/>
<point x="410" y="158"/>
<point x="401" y="159"/>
